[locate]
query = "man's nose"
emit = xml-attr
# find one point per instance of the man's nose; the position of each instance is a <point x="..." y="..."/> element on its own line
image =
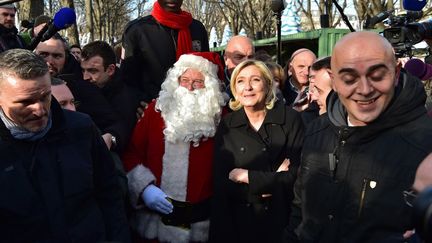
<point x="86" y="75"/>
<point x="190" y="87"/>
<point x="364" y="86"/>
<point x="39" y="109"/>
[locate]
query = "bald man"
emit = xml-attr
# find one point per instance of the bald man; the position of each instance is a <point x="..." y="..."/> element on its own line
<point x="298" y="68"/>
<point x="238" y="49"/>
<point x="361" y="155"/>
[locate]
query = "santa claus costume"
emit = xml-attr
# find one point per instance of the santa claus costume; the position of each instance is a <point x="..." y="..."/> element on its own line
<point x="172" y="149"/>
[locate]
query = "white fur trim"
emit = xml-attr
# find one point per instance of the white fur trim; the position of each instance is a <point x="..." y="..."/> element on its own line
<point x="174" y="184"/>
<point x="197" y="233"/>
<point x="175" y="170"/>
<point x="200" y="231"/>
<point x="146" y="223"/>
<point x="149" y="226"/>
<point x="197" y="62"/>
<point x="138" y="178"/>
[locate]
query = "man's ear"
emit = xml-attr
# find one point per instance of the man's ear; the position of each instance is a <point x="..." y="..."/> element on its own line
<point x="111" y="69"/>
<point x="397" y="72"/>
<point x="329" y="71"/>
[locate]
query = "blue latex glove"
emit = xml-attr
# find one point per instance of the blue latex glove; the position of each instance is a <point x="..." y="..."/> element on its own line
<point x="155" y="199"/>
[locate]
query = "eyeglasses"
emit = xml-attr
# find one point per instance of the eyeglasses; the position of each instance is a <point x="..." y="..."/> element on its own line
<point x="186" y="82"/>
<point x="409" y="197"/>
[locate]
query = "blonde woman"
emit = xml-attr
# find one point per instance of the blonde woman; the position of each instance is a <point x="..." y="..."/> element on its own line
<point x="257" y="153"/>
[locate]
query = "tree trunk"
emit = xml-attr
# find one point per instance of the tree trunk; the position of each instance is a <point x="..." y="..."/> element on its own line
<point x="89" y="19"/>
<point x="74" y="38"/>
<point x="30" y="9"/>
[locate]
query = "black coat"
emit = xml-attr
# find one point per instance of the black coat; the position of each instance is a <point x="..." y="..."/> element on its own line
<point x="10" y="39"/>
<point x="150" y="50"/>
<point x="123" y="100"/>
<point x="359" y="199"/>
<point x="89" y="97"/>
<point x="240" y="213"/>
<point x="61" y="188"/>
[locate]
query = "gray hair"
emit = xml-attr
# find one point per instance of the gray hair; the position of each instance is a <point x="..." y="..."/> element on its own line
<point x="21" y="63"/>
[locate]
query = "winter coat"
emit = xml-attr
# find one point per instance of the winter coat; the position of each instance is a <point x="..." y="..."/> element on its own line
<point x="10" y="39"/>
<point x="351" y="179"/>
<point x="61" y="188"/>
<point x="123" y="101"/>
<point x="181" y="170"/>
<point x="89" y="98"/>
<point x="150" y="50"/>
<point x="240" y="212"/>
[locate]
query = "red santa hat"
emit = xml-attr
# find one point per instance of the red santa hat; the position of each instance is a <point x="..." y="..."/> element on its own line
<point x="206" y="62"/>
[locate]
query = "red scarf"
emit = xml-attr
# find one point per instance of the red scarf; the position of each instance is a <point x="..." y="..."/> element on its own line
<point x="178" y="21"/>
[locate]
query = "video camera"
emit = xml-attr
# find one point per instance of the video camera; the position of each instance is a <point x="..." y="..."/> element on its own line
<point x="405" y="31"/>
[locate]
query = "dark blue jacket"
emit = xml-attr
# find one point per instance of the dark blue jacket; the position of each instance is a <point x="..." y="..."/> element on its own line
<point x="61" y="188"/>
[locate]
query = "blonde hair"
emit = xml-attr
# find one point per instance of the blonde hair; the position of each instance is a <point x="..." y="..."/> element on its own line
<point x="270" y="97"/>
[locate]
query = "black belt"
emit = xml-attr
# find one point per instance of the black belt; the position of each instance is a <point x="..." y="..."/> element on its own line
<point x="186" y="213"/>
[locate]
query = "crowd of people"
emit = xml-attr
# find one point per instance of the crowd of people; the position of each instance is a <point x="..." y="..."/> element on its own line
<point x="180" y="144"/>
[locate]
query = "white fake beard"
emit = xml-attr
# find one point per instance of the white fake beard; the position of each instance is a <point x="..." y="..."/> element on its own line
<point x="190" y="115"/>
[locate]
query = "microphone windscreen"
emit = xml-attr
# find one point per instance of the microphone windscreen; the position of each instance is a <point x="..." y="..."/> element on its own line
<point x="64" y="18"/>
<point x="419" y="69"/>
<point x="414" y="5"/>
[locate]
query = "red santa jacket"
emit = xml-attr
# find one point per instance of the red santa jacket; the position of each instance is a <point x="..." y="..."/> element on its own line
<point x="147" y="148"/>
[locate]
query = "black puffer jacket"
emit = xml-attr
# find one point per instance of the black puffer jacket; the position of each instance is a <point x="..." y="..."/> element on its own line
<point x="361" y="199"/>
<point x="61" y="188"/>
<point x="150" y="50"/>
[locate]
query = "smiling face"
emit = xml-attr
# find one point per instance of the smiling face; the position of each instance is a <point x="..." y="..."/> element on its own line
<point x="26" y="102"/>
<point x="364" y="75"/>
<point x="192" y="79"/>
<point x="299" y="67"/>
<point x="250" y="88"/>
<point x="173" y="6"/>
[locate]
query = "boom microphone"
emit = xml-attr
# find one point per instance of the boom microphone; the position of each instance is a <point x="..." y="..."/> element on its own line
<point x="414" y="5"/>
<point x="418" y="68"/>
<point x="64" y="18"/>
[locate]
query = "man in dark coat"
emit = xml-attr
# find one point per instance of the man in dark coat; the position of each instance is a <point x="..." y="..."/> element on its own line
<point x="295" y="91"/>
<point x="9" y="38"/>
<point x="153" y="43"/>
<point x="98" y="62"/>
<point x="57" y="179"/>
<point x="89" y="99"/>
<point x="361" y="155"/>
